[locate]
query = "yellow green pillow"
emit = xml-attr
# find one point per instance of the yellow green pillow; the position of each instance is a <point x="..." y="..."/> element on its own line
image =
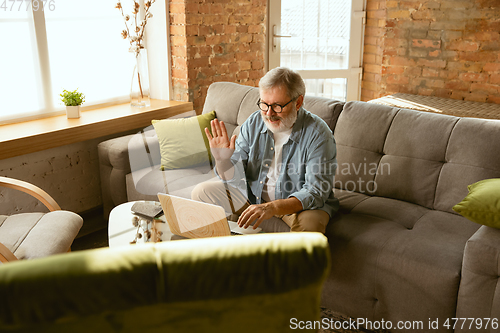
<point x="183" y="142"/>
<point x="482" y="204"/>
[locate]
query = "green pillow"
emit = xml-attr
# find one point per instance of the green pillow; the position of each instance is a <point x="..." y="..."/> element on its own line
<point x="183" y="142"/>
<point x="482" y="204"/>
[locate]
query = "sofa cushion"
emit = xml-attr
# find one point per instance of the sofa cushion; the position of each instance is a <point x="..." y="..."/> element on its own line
<point x="183" y="142"/>
<point x="418" y="157"/>
<point x="146" y="183"/>
<point x="390" y="152"/>
<point x="326" y="108"/>
<point x="371" y="120"/>
<point x="349" y="199"/>
<point x="404" y="213"/>
<point x="389" y="255"/>
<point x="37" y="235"/>
<point x="248" y="105"/>
<point x="225" y="98"/>
<point x="360" y="134"/>
<point x="482" y="204"/>
<point x="472" y="155"/>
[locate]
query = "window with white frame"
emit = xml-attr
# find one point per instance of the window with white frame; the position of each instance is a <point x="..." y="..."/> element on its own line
<point x="51" y="45"/>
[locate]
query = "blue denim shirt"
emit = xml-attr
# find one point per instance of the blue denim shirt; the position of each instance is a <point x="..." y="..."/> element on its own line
<point x="309" y="158"/>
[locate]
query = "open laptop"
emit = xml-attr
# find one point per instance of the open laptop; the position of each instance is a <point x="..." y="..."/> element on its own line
<point x="194" y="219"/>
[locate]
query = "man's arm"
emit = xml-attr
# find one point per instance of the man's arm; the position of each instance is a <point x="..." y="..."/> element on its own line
<point x="267" y="210"/>
<point x="319" y="176"/>
<point x="225" y="169"/>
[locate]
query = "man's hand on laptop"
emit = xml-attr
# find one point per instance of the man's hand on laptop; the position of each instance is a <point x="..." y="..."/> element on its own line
<point x="258" y="212"/>
<point x="261" y="212"/>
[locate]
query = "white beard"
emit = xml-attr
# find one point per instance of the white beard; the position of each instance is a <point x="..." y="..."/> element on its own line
<point x="285" y="123"/>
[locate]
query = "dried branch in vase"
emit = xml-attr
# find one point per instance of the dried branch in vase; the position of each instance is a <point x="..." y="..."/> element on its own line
<point x="135" y="26"/>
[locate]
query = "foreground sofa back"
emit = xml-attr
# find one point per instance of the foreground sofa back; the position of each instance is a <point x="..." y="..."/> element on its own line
<point x="397" y="246"/>
<point x="252" y="284"/>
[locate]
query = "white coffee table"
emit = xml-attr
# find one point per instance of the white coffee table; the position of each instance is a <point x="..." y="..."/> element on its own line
<point x="122" y="232"/>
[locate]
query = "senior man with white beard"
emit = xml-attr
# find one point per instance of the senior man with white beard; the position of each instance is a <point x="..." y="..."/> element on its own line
<point x="285" y="155"/>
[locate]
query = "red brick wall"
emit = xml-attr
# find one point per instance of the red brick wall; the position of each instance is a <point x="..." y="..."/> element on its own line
<point x="373" y="50"/>
<point x="215" y="40"/>
<point x="442" y="48"/>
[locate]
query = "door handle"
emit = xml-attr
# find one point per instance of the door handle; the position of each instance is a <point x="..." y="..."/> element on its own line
<point x="277" y="36"/>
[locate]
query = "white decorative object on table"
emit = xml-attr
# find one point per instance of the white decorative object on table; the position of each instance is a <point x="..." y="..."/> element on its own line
<point x="121" y="230"/>
<point x="146" y="230"/>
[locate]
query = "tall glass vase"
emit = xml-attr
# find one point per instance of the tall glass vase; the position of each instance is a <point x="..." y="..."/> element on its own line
<point x="139" y="90"/>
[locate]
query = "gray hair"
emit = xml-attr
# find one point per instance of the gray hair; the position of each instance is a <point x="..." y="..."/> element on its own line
<point x="285" y="77"/>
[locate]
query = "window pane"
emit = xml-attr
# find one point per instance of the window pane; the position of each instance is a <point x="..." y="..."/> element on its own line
<point x="330" y="88"/>
<point x="320" y="34"/>
<point x="86" y="50"/>
<point x="18" y="66"/>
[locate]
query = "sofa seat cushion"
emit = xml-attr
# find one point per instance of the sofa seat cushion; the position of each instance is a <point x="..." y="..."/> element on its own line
<point x="145" y="184"/>
<point x="389" y="255"/>
<point x="36" y="235"/>
<point x="348" y="199"/>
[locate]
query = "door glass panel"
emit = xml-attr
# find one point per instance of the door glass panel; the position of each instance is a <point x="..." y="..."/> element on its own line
<point x="320" y="34"/>
<point x="330" y="88"/>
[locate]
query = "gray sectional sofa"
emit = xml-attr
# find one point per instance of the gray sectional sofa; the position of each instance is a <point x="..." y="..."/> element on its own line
<point x="399" y="252"/>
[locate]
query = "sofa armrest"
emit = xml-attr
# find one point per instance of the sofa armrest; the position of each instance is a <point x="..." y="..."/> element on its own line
<point x="115" y="157"/>
<point x="217" y="284"/>
<point x="478" y="296"/>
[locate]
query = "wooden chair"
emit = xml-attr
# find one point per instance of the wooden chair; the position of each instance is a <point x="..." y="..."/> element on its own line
<point x="22" y="232"/>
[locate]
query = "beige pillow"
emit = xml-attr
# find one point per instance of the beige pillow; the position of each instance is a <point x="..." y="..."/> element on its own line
<point x="183" y="142"/>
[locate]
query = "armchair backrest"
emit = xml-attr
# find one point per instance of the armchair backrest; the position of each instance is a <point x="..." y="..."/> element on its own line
<point x="32" y="190"/>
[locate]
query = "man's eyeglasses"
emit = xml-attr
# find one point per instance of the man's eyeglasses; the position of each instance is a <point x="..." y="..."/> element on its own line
<point x="275" y="107"/>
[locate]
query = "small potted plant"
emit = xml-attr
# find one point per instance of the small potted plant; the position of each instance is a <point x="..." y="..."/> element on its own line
<point x="72" y="100"/>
